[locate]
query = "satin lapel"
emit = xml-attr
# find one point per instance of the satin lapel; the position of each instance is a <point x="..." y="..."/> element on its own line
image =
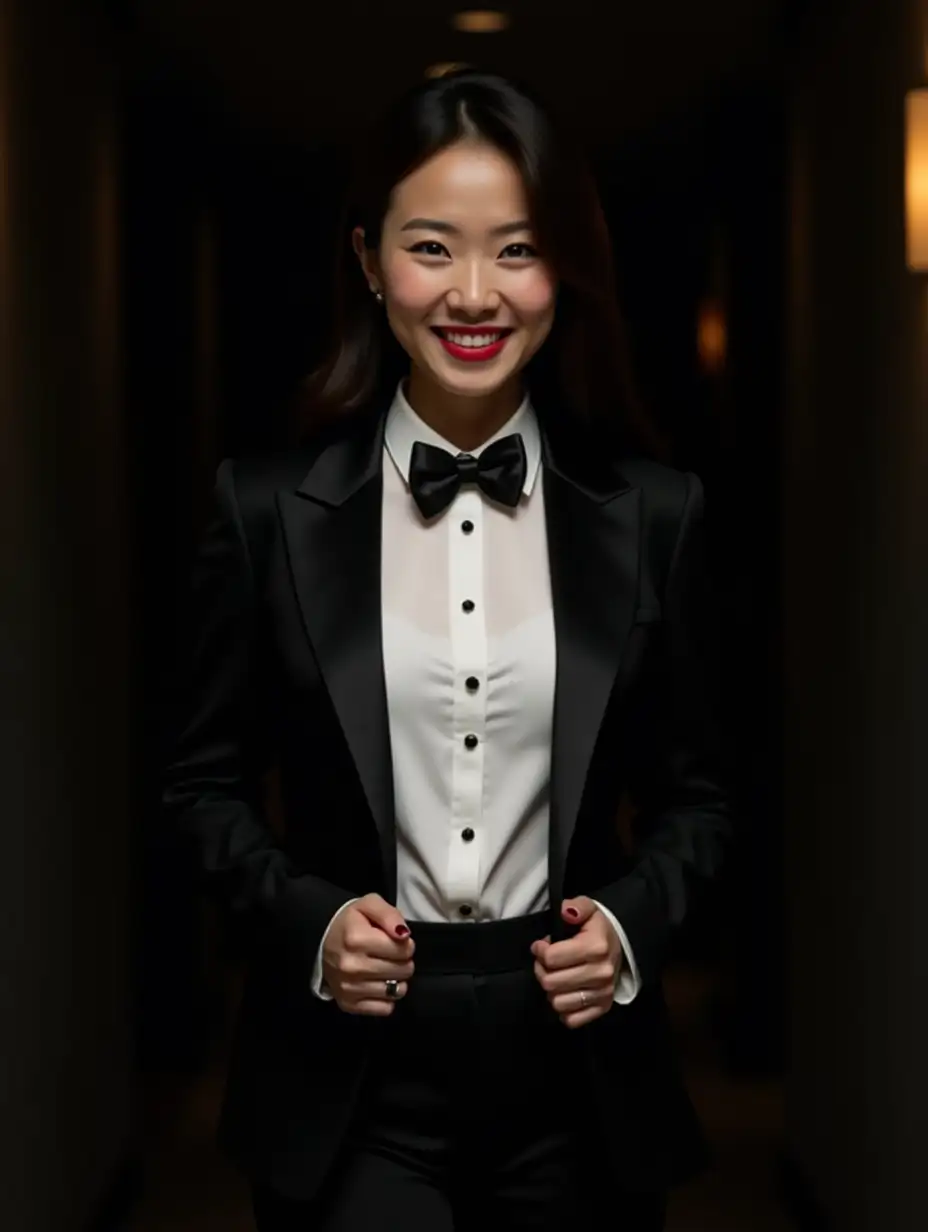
<point x="593" y="554"/>
<point x="332" y="526"/>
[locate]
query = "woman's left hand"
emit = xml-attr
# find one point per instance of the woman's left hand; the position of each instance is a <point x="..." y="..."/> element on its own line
<point x="588" y="963"/>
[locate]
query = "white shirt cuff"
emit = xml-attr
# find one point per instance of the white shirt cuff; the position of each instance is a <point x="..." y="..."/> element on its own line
<point x="628" y="985"/>
<point x="319" y="989"/>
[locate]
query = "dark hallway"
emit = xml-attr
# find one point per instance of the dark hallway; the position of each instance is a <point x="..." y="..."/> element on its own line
<point x="170" y="184"/>
<point x="230" y="230"/>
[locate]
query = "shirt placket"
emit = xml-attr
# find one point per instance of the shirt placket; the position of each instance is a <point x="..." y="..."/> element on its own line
<point x="469" y="659"/>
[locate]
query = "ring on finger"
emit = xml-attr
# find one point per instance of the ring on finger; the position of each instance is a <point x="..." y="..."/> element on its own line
<point x="584" y="998"/>
<point x="392" y="989"/>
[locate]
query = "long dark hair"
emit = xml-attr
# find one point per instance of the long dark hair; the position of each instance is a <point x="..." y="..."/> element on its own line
<point x="582" y="371"/>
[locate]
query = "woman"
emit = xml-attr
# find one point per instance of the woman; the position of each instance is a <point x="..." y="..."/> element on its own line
<point x="464" y="618"/>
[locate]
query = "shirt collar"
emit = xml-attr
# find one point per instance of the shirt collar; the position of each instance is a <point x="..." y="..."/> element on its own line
<point x="404" y="428"/>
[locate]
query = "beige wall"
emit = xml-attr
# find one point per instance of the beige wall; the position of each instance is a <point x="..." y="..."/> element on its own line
<point x="856" y="579"/>
<point x="64" y="883"/>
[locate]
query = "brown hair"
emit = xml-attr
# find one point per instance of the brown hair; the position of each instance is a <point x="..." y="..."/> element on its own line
<point x="582" y="371"/>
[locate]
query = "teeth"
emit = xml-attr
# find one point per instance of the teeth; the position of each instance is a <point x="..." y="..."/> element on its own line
<point x="472" y="340"/>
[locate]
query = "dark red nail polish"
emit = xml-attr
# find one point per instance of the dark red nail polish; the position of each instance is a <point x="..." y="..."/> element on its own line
<point x="402" y="930"/>
<point x="572" y="912"/>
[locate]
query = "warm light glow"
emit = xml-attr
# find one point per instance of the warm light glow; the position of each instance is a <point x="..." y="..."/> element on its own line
<point x="712" y="336"/>
<point x="480" y="21"/>
<point x="442" y="70"/>
<point x="916" y="180"/>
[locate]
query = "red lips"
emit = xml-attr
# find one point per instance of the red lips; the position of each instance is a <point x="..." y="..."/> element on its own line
<point x="471" y="354"/>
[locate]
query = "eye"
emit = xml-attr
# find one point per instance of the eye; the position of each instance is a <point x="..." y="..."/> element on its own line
<point x="429" y="248"/>
<point x="518" y="252"/>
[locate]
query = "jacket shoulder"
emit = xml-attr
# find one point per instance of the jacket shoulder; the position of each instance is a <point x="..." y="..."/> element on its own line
<point x="665" y="493"/>
<point x="665" y="490"/>
<point x="257" y="477"/>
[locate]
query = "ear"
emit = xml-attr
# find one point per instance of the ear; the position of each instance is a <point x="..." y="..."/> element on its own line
<point x="368" y="259"/>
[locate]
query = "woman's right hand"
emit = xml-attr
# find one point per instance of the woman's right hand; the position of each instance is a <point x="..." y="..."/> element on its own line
<point x="367" y="944"/>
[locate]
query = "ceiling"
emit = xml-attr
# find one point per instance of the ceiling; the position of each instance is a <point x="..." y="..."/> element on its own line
<point x="308" y="70"/>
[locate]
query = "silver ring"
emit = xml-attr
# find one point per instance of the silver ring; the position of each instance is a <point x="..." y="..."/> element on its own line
<point x="393" y="989"/>
<point x="583" y="998"/>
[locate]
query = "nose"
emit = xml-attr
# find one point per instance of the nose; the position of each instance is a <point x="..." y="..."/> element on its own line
<point x="473" y="292"/>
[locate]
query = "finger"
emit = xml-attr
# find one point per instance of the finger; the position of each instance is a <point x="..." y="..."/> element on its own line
<point x="364" y="938"/>
<point x="578" y="910"/>
<point x="373" y="1008"/>
<point x="359" y="969"/>
<point x="373" y="990"/>
<point x="540" y="946"/>
<point x="582" y="1017"/>
<point x="592" y="976"/>
<point x="382" y="914"/>
<point x="586" y="947"/>
<point x="567" y="1003"/>
<point x="363" y="967"/>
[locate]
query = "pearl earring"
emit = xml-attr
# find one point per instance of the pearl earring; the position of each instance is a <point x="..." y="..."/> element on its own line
<point x="378" y="296"/>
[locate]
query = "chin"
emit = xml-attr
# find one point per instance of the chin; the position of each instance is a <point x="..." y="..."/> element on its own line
<point x="476" y="384"/>
<point x="475" y="387"/>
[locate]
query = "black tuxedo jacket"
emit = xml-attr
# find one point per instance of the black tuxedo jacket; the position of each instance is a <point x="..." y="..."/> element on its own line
<point x="286" y="670"/>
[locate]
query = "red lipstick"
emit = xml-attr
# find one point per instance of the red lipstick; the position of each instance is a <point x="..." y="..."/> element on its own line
<point x="471" y="353"/>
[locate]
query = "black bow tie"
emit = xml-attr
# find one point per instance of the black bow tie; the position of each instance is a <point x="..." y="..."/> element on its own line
<point x="436" y="475"/>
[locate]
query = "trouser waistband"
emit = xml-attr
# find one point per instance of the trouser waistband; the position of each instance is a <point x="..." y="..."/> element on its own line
<point x="487" y="947"/>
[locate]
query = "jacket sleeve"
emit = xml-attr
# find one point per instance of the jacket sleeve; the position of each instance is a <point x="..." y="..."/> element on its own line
<point x="678" y="779"/>
<point x="222" y="746"/>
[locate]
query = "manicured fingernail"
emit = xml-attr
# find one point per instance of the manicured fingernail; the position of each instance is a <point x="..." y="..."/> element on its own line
<point x="401" y="930"/>
<point x="572" y="912"/>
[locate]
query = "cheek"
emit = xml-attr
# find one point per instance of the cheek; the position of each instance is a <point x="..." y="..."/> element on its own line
<point x="411" y="288"/>
<point x="534" y="299"/>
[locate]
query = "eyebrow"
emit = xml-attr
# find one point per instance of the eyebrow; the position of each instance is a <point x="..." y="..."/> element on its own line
<point x="447" y="228"/>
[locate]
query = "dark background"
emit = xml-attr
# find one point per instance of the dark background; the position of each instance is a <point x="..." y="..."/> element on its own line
<point x="169" y="180"/>
<point x="248" y="218"/>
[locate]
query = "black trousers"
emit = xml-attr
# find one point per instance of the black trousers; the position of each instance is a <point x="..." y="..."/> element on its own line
<point x="476" y="1111"/>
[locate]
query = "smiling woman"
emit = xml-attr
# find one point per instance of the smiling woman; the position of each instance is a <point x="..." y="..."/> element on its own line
<point x="463" y="629"/>
<point x="468" y="296"/>
<point x="475" y="217"/>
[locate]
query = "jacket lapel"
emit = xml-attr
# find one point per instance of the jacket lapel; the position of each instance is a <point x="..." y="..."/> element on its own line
<point x="593" y="530"/>
<point x="332" y="527"/>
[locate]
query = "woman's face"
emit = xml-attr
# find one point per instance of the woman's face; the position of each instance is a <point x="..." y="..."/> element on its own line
<point x="467" y="294"/>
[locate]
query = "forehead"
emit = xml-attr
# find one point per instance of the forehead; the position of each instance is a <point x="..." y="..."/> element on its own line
<point x="466" y="183"/>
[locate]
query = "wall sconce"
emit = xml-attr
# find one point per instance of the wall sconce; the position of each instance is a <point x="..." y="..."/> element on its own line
<point x="916" y="180"/>
<point x="712" y="336"/>
<point x="480" y="21"/>
<point x="442" y="70"/>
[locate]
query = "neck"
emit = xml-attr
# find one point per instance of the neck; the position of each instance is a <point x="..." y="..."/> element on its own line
<point x="464" y="422"/>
